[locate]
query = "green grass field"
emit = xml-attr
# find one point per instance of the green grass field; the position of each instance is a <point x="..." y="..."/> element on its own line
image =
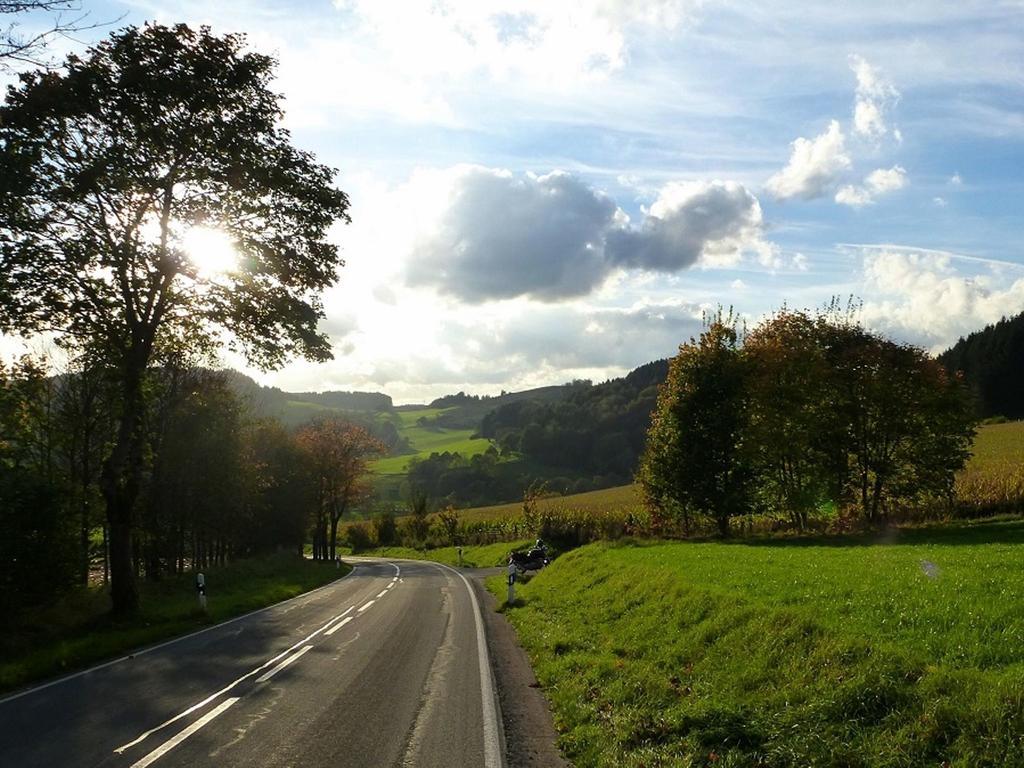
<point x="483" y="556"/>
<point x="78" y="631"/>
<point x="901" y="651"/>
<point x="426" y="440"/>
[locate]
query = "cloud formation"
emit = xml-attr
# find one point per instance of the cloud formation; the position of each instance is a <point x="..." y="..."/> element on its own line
<point x="557" y="42"/>
<point x="814" y="167"/>
<point x="710" y="221"/>
<point x="554" y="237"/>
<point x="875" y="95"/>
<point x="878" y="182"/>
<point x="921" y="296"/>
<point x="503" y="236"/>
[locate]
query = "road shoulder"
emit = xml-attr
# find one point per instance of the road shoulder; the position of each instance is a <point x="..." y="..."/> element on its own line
<point x="530" y="736"/>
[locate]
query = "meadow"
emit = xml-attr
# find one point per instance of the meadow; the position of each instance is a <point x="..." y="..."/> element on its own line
<point x="426" y="439"/>
<point x="900" y="650"/>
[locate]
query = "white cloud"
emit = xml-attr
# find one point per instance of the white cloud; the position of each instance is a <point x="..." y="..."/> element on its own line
<point x="940" y="202"/>
<point x="502" y="236"/>
<point x="955" y="180"/>
<point x="814" y="167"/>
<point x="875" y="94"/>
<point x="925" y="298"/>
<point x="552" y="42"/>
<point x="878" y="182"/>
<point x="711" y="222"/>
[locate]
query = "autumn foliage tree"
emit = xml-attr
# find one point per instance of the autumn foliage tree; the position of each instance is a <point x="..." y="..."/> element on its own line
<point x="811" y="411"/>
<point x="339" y="453"/>
<point x="105" y="167"/>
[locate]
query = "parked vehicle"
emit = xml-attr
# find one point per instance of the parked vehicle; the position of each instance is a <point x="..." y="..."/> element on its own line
<point x="532" y="560"/>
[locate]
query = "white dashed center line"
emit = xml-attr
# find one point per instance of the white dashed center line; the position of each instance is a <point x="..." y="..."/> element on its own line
<point x="267" y="675"/>
<point x="174" y="741"/>
<point x="364" y="607"/>
<point x="338" y="626"/>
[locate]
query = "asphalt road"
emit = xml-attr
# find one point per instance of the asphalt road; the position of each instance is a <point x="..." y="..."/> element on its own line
<point x="386" y="667"/>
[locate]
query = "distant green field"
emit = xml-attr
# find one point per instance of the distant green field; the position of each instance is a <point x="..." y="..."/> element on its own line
<point x="900" y="650"/>
<point x="426" y="440"/>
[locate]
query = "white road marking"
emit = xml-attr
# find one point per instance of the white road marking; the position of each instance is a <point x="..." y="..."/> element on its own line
<point x="381" y="593"/>
<point x="493" y="757"/>
<point x="199" y="705"/>
<point x="338" y="626"/>
<point x="363" y="608"/>
<point x="340" y="615"/>
<point x="267" y="675"/>
<point x="174" y="741"/>
<point x="164" y="644"/>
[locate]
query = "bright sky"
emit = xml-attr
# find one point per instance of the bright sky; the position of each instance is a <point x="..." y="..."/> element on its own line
<point x="545" y="190"/>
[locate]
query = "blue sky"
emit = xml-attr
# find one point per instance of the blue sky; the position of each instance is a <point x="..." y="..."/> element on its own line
<point x="545" y="191"/>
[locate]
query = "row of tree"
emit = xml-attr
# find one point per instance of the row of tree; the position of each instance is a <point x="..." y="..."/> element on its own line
<point x="805" y="413"/>
<point x="217" y="483"/>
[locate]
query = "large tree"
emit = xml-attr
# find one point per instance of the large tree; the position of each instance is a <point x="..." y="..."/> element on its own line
<point x="105" y="167"/>
<point x="339" y="453"/>
<point x="697" y="458"/>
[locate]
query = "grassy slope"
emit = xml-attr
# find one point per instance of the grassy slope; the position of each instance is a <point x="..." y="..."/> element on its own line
<point x="909" y="651"/>
<point x="483" y="556"/>
<point x="77" y="631"/>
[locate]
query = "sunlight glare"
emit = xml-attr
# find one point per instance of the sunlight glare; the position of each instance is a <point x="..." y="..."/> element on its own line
<point x="210" y="250"/>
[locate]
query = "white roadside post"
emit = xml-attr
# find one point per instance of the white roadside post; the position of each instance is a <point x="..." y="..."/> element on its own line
<point x="511" y="583"/>
<point x="201" y="589"/>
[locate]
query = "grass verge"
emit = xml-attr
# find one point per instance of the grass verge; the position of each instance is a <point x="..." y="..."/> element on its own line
<point x="483" y="556"/>
<point x="826" y="652"/>
<point x="78" y="631"/>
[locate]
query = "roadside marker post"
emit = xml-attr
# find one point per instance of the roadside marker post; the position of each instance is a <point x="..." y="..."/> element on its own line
<point x="201" y="589"/>
<point x="460" y="557"/>
<point x="511" y="583"/>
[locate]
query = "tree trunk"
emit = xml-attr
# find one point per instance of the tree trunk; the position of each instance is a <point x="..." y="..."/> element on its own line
<point x="334" y="536"/>
<point x="723" y="526"/>
<point x="120" y="483"/>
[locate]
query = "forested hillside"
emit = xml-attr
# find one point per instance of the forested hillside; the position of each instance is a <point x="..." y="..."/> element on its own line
<point x="597" y="429"/>
<point x="992" y="362"/>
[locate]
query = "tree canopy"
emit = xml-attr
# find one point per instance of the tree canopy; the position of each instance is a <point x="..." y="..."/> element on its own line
<point x="106" y="168"/>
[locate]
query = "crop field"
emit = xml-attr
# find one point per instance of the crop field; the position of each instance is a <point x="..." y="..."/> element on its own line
<point x="604" y="500"/>
<point x="905" y="650"/>
<point x="994" y="477"/>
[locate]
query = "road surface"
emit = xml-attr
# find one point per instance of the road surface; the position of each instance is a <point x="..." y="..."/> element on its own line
<point x="386" y="667"/>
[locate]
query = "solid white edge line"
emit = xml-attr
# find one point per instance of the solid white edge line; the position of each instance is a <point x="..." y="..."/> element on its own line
<point x="338" y="626"/>
<point x="174" y="741"/>
<point x="294" y="657"/>
<point x="172" y="641"/>
<point x="494" y="756"/>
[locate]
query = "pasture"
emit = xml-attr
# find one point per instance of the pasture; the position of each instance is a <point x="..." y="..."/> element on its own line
<point x="906" y="649"/>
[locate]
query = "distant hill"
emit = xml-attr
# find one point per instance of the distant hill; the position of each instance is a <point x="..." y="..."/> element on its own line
<point x="295" y="408"/>
<point x="992" y="362"/>
<point x="596" y="430"/>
